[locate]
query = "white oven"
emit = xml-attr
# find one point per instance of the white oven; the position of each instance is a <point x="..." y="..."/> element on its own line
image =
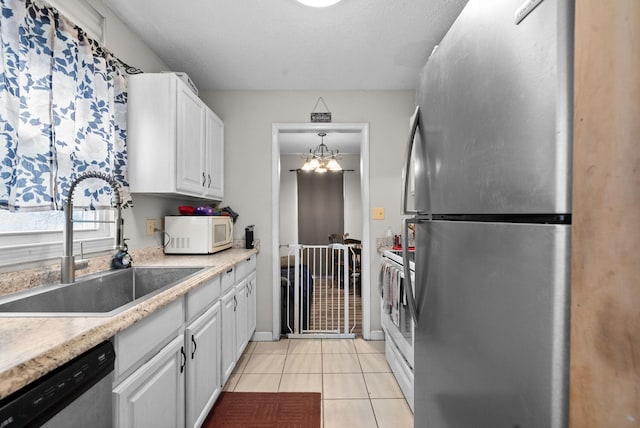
<point x="397" y="322"/>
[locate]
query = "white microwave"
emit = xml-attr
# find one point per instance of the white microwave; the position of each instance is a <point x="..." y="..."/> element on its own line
<point x="197" y="234"/>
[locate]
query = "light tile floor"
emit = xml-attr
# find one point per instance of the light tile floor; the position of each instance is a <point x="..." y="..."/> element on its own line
<point x="357" y="386"/>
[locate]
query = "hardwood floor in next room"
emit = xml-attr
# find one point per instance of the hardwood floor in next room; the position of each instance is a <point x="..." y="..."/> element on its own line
<point x="327" y="310"/>
<point x="356" y="383"/>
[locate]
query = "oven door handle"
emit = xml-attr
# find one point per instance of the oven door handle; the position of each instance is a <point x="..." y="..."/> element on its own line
<point x="406" y="268"/>
<point x="407" y="167"/>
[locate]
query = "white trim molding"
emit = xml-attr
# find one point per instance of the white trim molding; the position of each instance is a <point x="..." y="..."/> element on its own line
<point x="363" y="128"/>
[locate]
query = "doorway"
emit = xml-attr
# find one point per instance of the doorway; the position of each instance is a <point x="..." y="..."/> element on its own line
<point x="283" y="136"/>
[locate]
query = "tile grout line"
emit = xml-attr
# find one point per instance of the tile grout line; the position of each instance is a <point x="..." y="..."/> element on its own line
<point x="373" y="412"/>
<point x="322" y="382"/>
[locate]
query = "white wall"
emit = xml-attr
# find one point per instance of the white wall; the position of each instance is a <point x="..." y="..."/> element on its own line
<point x="248" y="118"/>
<point x="288" y="201"/>
<point x="352" y="199"/>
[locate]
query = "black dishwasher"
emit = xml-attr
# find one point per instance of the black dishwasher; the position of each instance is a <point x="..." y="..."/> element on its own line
<point x="77" y="394"/>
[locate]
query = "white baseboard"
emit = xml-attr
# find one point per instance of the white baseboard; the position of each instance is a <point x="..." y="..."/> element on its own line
<point x="262" y="336"/>
<point x="377" y="335"/>
<point x="267" y="336"/>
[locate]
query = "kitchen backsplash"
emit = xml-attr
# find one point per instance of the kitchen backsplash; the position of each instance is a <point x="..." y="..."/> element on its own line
<point x="11" y="282"/>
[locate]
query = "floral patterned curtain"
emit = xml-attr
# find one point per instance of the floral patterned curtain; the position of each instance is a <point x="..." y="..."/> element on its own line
<point x="62" y="111"/>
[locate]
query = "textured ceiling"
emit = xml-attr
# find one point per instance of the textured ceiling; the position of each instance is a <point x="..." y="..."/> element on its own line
<point x="284" y="45"/>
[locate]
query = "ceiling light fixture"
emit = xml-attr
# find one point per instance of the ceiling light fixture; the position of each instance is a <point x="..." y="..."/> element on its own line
<point x="321" y="159"/>
<point x="319" y="3"/>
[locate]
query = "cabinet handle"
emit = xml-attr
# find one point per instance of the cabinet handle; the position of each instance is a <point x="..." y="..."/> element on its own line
<point x="209" y="176"/>
<point x="195" y="346"/>
<point x="235" y="303"/>
<point x="230" y="270"/>
<point x="204" y="179"/>
<point x="184" y="359"/>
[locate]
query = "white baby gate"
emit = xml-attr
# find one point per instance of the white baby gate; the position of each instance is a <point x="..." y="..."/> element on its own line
<point x="318" y="291"/>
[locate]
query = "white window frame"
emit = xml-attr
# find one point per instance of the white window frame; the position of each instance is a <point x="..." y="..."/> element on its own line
<point x="42" y="246"/>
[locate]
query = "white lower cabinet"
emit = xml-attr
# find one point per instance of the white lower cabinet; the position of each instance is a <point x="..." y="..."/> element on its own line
<point x="153" y="395"/>
<point x="228" y="357"/>
<point x="251" y="305"/>
<point x="235" y="334"/>
<point x="203" y="375"/>
<point x="246" y="277"/>
<point x="242" y="334"/>
<point x="172" y="365"/>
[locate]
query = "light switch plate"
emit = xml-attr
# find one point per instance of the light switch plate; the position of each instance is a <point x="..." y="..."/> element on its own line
<point x="377" y="213"/>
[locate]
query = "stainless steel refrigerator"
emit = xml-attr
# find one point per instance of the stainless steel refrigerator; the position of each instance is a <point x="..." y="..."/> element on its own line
<point x="491" y="160"/>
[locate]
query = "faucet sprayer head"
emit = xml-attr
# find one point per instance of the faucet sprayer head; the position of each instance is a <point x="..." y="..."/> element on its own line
<point x="115" y="186"/>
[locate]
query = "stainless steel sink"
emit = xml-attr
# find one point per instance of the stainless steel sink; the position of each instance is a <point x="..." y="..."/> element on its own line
<point x="103" y="294"/>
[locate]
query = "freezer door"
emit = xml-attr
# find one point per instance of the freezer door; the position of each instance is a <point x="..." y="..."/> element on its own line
<point x="491" y="344"/>
<point x="496" y="112"/>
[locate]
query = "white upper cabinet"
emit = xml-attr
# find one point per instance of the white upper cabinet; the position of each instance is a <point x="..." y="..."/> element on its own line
<point x="175" y="142"/>
<point x="214" y="143"/>
<point x="190" y="143"/>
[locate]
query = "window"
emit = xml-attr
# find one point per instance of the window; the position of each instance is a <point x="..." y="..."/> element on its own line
<point x="31" y="236"/>
<point x="37" y="235"/>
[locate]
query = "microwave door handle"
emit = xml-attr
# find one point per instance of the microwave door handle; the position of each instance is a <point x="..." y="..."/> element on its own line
<point x="413" y="309"/>
<point x="407" y="165"/>
<point x="229" y="231"/>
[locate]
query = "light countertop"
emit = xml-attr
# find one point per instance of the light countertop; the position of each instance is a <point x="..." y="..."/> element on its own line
<point x="32" y="347"/>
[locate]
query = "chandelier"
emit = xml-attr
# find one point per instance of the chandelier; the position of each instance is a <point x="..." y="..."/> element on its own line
<point x="321" y="159"/>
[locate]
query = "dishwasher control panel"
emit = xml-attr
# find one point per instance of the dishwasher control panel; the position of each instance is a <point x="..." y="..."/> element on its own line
<point x="41" y="400"/>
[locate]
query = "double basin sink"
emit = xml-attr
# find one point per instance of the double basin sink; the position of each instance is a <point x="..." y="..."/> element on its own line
<point x="102" y="294"/>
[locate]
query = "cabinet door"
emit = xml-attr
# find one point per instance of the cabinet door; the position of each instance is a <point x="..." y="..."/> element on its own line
<point x="203" y="365"/>
<point x="241" y="316"/>
<point x="153" y="396"/>
<point x="251" y="305"/>
<point x="151" y="132"/>
<point x="214" y="186"/>
<point x="228" y="356"/>
<point x="190" y="174"/>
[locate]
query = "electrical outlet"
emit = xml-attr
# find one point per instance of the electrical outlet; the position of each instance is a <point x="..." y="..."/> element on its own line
<point x="151" y="226"/>
<point x="377" y="213"/>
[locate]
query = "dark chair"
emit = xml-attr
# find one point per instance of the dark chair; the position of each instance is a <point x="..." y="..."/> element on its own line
<point x="354" y="254"/>
<point x="336" y="238"/>
<point x="355" y="262"/>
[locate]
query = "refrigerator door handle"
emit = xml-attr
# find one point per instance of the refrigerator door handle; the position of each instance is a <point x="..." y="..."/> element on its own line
<point x="407" y="270"/>
<point x="407" y="166"/>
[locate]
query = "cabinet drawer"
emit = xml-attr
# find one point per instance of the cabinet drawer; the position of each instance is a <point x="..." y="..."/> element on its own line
<point x="245" y="267"/>
<point x="202" y="297"/>
<point x="146" y="336"/>
<point x="228" y="279"/>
